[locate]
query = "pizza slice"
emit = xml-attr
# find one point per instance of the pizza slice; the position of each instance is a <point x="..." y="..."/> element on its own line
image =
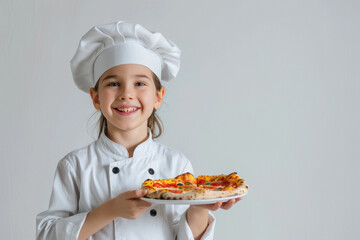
<point x="179" y="188"/>
<point x="218" y="186"/>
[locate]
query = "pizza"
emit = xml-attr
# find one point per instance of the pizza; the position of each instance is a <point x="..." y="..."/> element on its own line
<point x="187" y="187"/>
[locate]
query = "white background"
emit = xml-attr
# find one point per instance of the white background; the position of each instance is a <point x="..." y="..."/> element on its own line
<point x="269" y="89"/>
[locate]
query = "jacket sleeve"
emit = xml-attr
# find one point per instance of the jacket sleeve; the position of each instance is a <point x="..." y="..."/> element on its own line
<point x="183" y="229"/>
<point x="62" y="220"/>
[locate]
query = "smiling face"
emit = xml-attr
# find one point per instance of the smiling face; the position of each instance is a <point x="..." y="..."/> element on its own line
<point x="127" y="96"/>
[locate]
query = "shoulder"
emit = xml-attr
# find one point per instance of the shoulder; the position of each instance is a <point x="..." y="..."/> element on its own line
<point x="76" y="157"/>
<point x="169" y="151"/>
<point x="174" y="158"/>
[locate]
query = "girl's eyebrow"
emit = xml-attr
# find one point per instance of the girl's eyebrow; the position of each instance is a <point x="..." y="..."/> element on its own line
<point x="108" y="77"/>
<point x="137" y="75"/>
<point x="142" y="75"/>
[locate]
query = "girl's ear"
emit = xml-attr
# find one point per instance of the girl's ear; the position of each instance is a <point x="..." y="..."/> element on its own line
<point x="95" y="98"/>
<point x="159" y="97"/>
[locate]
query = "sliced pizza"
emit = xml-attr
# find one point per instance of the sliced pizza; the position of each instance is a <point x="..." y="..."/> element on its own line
<point x="188" y="187"/>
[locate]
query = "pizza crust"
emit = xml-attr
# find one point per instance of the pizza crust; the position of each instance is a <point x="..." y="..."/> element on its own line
<point x="189" y="195"/>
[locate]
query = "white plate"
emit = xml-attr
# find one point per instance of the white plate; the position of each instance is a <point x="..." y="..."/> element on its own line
<point x="191" y="202"/>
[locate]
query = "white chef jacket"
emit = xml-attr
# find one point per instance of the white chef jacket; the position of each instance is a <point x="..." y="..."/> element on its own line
<point x="87" y="177"/>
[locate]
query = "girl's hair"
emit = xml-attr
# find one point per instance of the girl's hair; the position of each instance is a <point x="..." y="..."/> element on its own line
<point x="154" y="122"/>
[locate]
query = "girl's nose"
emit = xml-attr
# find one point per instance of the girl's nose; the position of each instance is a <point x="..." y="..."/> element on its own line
<point x="126" y="93"/>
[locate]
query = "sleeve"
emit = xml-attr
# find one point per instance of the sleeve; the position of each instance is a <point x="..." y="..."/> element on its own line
<point x="183" y="229"/>
<point x="62" y="220"/>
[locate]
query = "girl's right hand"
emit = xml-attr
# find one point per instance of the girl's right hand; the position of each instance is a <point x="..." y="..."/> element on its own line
<point x="128" y="205"/>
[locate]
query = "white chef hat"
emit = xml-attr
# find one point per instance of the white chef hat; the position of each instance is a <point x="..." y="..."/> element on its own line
<point x="109" y="45"/>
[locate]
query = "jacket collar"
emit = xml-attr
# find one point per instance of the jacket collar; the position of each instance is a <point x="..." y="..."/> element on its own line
<point x="118" y="151"/>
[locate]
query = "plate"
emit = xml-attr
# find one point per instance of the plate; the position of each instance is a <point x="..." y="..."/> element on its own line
<point x="191" y="202"/>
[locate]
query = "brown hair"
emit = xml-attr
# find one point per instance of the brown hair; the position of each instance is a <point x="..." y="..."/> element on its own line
<point x="154" y="122"/>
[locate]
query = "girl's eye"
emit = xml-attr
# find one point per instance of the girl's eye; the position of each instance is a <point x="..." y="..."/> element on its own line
<point x="113" y="84"/>
<point x="140" y="84"/>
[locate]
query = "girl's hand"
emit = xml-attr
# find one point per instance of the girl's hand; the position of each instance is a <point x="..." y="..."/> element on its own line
<point x="128" y="205"/>
<point x="215" y="206"/>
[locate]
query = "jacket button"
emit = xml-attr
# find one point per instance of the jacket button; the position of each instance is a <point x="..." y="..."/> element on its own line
<point x="151" y="171"/>
<point x="153" y="212"/>
<point x="115" y="170"/>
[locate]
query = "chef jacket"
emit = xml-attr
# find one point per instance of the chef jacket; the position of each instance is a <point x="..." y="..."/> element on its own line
<point x="87" y="177"/>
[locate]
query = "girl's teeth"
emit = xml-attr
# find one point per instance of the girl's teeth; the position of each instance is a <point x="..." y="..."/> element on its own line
<point x="127" y="109"/>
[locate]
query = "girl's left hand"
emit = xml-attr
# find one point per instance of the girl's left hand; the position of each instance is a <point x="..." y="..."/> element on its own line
<point x="215" y="206"/>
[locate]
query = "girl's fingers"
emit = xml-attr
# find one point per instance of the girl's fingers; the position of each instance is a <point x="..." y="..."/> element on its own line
<point x="215" y="206"/>
<point x="212" y="207"/>
<point x="135" y="194"/>
<point x="237" y="199"/>
<point x="224" y="205"/>
<point x="140" y="193"/>
<point x="228" y="204"/>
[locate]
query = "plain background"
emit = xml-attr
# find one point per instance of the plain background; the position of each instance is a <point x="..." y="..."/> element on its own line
<point x="269" y="89"/>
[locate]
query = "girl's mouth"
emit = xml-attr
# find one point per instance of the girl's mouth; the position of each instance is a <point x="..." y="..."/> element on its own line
<point x="126" y="111"/>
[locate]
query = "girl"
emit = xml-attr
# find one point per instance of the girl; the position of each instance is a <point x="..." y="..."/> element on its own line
<point x="96" y="188"/>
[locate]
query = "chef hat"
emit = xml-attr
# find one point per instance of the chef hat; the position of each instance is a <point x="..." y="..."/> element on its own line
<point x="109" y="45"/>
